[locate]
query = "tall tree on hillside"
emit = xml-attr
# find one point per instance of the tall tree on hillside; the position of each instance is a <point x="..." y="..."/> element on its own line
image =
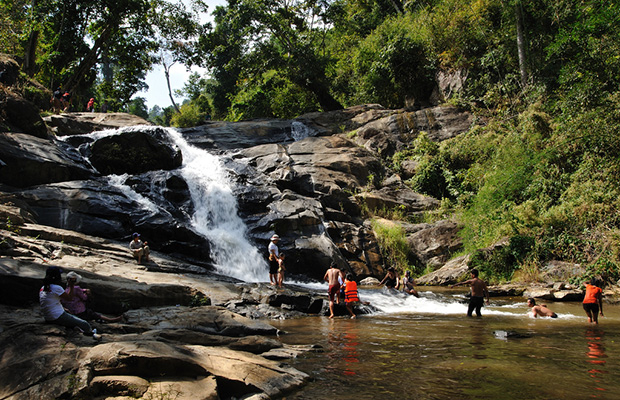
<point x="287" y="36"/>
<point x="177" y="30"/>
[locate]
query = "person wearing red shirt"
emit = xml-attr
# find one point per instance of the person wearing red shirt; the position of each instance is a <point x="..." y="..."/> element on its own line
<point x="593" y="301"/>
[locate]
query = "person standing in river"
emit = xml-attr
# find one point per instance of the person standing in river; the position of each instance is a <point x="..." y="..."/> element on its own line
<point x="479" y="291"/>
<point x="593" y="301"/>
<point x="274" y="259"/>
<point x="331" y="276"/>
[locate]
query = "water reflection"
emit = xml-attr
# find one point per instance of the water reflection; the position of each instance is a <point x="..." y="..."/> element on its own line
<point x="596" y="355"/>
<point x="343" y="340"/>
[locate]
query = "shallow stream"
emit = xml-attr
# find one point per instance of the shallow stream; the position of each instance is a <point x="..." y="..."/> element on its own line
<point x="428" y="348"/>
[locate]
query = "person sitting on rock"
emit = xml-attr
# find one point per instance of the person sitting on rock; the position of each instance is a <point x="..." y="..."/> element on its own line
<point x="540" y="310"/>
<point x="408" y="283"/>
<point x="139" y="249"/>
<point x="50" y="296"/>
<point x="76" y="304"/>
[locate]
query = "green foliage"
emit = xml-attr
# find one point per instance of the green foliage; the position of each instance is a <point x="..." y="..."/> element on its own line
<point x="498" y="264"/>
<point x="189" y="115"/>
<point x="138" y="107"/>
<point x="392" y="241"/>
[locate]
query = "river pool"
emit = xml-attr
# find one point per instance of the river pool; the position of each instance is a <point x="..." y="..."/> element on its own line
<point x="427" y="348"/>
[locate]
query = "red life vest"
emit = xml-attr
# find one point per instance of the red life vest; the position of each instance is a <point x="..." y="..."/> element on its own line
<point x="350" y="292"/>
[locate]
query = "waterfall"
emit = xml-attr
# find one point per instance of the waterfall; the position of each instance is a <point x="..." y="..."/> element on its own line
<point x="300" y="131"/>
<point x="216" y="216"/>
<point x="215" y="208"/>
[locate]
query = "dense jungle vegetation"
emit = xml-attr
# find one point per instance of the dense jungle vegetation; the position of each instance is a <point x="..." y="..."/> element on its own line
<point x="540" y="167"/>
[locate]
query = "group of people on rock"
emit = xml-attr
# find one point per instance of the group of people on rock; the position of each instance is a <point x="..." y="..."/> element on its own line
<point x="68" y="306"/>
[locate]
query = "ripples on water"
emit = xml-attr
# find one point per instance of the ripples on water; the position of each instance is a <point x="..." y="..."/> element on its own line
<point x="428" y="349"/>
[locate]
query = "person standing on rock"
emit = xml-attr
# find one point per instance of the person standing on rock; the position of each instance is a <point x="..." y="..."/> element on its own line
<point x="593" y="301"/>
<point x="50" y="296"/>
<point x="139" y="249"/>
<point x="331" y="276"/>
<point x="274" y="259"/>
<point x="479" y="291"/>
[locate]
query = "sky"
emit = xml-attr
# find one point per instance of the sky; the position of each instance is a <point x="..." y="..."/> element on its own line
<point x="157" y="93"/>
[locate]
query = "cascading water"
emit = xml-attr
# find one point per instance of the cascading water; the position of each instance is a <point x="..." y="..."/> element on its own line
<point x="216" y="216"/>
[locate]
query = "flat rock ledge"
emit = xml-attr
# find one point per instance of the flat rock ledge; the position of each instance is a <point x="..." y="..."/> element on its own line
<point x="201" y="353"/>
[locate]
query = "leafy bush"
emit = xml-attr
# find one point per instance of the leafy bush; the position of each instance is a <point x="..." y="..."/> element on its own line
<point x="392" y="241"/>
<point x="190" y="115"/>
<point x="500" y="263"/>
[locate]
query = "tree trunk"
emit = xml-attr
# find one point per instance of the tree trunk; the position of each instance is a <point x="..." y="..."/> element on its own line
<point x="167" y="73"/>
<point x="521" y="45"/>
<point x="30" y="67"/>
<point x="89" y="61"/>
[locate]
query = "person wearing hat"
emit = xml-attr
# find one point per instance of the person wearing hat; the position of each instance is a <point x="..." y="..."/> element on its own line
<point x="50" y="296"/>
<point x="274" y="259"/>
<point x="76" y="303"/>
<point x="139" y="249"/>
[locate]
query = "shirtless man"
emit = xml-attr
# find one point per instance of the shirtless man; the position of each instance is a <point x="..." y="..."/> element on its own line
<point x="479" y="291"/>
<point x="331" y="276"/>
<point x="541" y="310"/>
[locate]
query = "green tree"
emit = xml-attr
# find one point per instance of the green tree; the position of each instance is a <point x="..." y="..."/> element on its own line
<point x="261" y="35"/>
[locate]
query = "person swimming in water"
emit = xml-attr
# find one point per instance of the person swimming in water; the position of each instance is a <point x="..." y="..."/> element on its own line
<point x="408" y="283"/>
<point x="540" y="310"/>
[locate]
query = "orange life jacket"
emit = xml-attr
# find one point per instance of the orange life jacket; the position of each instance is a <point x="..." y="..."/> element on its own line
<point x="350" y="292"/>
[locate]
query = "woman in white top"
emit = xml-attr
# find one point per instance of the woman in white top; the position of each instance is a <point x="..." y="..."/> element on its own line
<point x="53" y="312"/>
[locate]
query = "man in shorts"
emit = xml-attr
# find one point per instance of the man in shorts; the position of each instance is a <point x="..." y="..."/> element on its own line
<point x="331" y="276"/>
<point x="274" y="259"/>
<point x="479" y="291"/>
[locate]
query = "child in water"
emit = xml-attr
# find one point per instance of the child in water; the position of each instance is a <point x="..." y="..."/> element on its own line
<point x="351" y="295"/>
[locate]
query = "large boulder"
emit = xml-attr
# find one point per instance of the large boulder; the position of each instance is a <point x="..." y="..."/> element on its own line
<point x="135" y="152"/>
<point x="434" y="245"/>
<point x="452" y="272"/>
<point x="20" y="115"/>
<point x="392" y="133"/>
<point x="96" y="208"/>
<point x="82" y="123"/>
<point x="28" y="160"/>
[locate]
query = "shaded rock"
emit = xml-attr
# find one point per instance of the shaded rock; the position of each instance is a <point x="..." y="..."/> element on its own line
<point x="98" y="209"/>
<point x="20" y="115"/>
<point x="119" y="385"/>
<point x="82" y="123"/>
<point x="568" y="295"/>
<point x="452" y="272"/>
<point x="32" y="160"/>
<point x="135" y="152"/>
